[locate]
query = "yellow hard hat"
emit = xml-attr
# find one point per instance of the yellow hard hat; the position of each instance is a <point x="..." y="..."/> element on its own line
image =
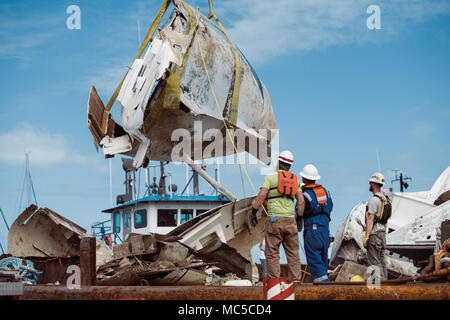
<point x="356" y="278"/>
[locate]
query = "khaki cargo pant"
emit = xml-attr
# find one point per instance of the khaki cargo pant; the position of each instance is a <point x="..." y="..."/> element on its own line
<point x="375" y="252"/>
<point x="283" y="231"/>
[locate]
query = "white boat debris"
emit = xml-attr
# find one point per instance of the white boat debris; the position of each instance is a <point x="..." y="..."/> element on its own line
<point x="411" y="236"/>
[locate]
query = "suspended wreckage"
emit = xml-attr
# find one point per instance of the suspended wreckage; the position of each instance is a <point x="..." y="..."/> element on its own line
<point x="191" y="72"/>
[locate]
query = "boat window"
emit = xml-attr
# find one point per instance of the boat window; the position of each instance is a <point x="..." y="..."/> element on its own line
<point x="116" y="222"/>
<point x="200" y="211"/>
<point x="186" y="215"/>
<point x="126" y="220"/>
<point x="167" y="217"/>
<point x="140" y="219"/>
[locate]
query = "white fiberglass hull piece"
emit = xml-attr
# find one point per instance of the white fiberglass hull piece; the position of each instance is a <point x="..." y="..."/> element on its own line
<point x="414" y="221"/>
<point x="423" y="229"/>
<point x="228" y="224"/>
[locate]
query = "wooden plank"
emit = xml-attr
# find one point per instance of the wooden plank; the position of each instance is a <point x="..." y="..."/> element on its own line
<point x="87" y="261"/>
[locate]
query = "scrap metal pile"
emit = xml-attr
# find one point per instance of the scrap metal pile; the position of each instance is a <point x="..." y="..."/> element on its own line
<point x="50" y="243"/>
<point x="155" y="259"/>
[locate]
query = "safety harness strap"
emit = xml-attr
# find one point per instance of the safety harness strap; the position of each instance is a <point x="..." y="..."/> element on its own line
<point x="287" y="186"/>
<point x="384" y="204"/>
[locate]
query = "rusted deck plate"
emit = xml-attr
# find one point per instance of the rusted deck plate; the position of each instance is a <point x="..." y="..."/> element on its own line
<point x="417" y="291"/>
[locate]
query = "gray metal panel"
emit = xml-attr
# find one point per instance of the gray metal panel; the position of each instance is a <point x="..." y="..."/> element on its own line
<point x="11" y="289"/>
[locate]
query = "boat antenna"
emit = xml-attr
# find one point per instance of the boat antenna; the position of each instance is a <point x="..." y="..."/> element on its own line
<point x="162" y="180"/>
<point x="110" y="183"/>
<point x="187" y="180"/>
<point x="147" y="181"/>
<point x="401" y="179"/>
<point x="7" y="227"/>
<point x="378" y="160"/>
<point x="217" y="173"/>
<point x="4" y="219"/>
<point x="139" y="30"/>
<point x="28" y="184"/>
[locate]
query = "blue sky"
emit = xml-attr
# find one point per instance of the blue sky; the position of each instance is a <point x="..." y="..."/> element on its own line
<point x="340" y="93"/>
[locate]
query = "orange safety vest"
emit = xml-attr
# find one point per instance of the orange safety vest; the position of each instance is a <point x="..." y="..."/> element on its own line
<point x="287" y="186"/>
<point x="319" y="191"/>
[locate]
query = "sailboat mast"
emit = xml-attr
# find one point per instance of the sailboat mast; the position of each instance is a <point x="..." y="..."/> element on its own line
<point x="28" y="178"/>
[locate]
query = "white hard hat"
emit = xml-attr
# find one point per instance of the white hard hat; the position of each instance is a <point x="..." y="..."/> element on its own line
<point x="286" y="157"/>
<point x="310" y="172"/>
<point x="377" y="178"/>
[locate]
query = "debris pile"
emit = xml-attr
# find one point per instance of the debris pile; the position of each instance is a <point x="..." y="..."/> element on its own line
<point x="54" y="243"/>
<point x="154" y="259"/>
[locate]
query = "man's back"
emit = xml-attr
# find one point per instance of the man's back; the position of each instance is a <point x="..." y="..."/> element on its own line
<point x="316" y="213"/>
<point x="279" y="206"/>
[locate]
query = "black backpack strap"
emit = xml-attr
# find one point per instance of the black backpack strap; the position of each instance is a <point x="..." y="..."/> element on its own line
<point x="376" y="219"/>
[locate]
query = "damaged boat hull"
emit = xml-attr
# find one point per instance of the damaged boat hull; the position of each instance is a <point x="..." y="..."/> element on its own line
<point x="184" y="86"/>
<point x="44" y="233"/>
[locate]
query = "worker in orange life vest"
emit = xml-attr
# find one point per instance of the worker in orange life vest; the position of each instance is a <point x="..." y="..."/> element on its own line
<point x="280" y="188"/>
<point x="316" y="219"/>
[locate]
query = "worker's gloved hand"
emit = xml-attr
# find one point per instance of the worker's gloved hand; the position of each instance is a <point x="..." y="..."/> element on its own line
<point x="365" y="242"/>
<point x="253" y="219"/>
<point x="299" y="224"/>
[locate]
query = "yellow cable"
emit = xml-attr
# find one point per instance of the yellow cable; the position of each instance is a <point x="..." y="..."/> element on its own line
<point x="144" y="44"/>
<point x="304" y="272"/>
<point x="223" y="120"/>
<point x="218" y="107"/>
<point x="237" y="70"/>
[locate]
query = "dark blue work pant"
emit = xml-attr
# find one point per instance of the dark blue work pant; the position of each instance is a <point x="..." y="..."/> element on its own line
<point x="317" y="241"/>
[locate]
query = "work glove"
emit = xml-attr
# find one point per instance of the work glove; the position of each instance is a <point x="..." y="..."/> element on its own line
<point x="253" y="219"/>
<point x="299" y="224"/>
<point x="365" y="242"/>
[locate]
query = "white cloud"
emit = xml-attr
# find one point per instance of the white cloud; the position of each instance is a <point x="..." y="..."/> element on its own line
<point x="265" y="29"/>
<point x="46" y="149"/>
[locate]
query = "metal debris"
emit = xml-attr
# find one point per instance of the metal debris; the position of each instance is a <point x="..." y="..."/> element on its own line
<point x="165" y="262"/>
<point x="135" y="245"/>
<point x="44" y="233"/>
<point x="9" y="276"/>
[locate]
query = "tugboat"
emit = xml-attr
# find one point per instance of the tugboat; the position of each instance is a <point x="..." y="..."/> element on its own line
<point x="160" y="210"/>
